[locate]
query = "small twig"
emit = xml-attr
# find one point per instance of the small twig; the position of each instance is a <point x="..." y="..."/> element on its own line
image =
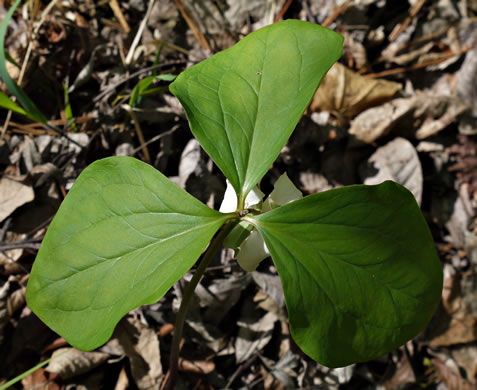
<point x="283" y="11"/>
<point x="140" y="135"/>
<point x="437" y="61"/>
<point x="399" y="28"/>
<point x="40" y="226"/>
<point x="170" y="45"/>
<point x="311" y="17"/>
<point x="193" y="26"/>
<point x="154" y="139"/>
<point x="20" y="245"/>
<point x="241" y="368"/>
<point x="5" y="227"/>
<point x="119" y="15"/>
<point x="139" y="33"/>
<point x="111" y="88"/>
<point x="337" y="12"/>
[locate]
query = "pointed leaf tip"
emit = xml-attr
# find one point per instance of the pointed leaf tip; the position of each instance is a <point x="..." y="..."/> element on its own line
<point x="244" y="102"/>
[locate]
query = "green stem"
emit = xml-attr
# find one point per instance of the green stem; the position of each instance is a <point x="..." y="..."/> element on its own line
<point x="31" y="370"/>
<point x="215" y="245"/>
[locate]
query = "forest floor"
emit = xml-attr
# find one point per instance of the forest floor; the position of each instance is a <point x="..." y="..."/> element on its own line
<point x="400" y="105"/>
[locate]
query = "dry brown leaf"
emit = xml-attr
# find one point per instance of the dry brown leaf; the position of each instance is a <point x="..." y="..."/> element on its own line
<point x="74" y="362"/>
<point x="418" y="116"/>
<point x="13" y="195"/>
<point x="16" y="300"/>
<point x="8" y="258"/>
<point x="141" y="345"/>
<point x="466" y="86"/>
<point x="40" y="380"/>
<point x="451" y="378"/>
<point x="255" y="331"/>
<point x="466" y="358"/>
<point x="398" y="161"/>
<point x="271" y="284"/>
<point x="462" y="215"/>
<point x="349" y="93"/>
<point x="456" y="322"/>
<point x="312" y="182"/>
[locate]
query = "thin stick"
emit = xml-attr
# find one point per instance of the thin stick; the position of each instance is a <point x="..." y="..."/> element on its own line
<point x="401" y="27"/>
<point x="140" y="31"/>
<point x="186" y="299"/>
<point x="337" y="12"/>
<point x="193" y="26"/>
<point x="283" y="11"/>
<point x="140" y="136"/>
<point x="437" y="61"/>
<point x="154" y="139"/>
<point x="119" y="15"/>
<point x="111" y="88"/>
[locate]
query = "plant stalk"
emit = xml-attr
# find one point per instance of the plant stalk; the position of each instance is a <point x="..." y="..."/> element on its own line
<point x="215" y="245"/>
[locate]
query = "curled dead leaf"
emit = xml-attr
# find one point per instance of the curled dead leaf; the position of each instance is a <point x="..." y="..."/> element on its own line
<point x="418" y="116"/>
<point x="74" y="362"/>
<point x="349" y="93"/>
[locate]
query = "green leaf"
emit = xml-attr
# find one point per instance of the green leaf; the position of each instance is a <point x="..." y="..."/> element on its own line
<point x="13" y="88"/>
<point x="68" y="110"/>
<point x="142" y="87"/>
<point x="122" y="237"/>
<point x="9" y="104"/>
<point x="244" y="102"/>
<point x="359" y="270"/>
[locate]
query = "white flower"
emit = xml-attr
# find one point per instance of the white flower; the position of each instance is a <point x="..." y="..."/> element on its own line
<point x="229" y="203"/>
<point x="251" y="250"/>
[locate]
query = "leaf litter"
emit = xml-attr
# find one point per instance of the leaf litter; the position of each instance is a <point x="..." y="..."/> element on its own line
<point x="401" y="105"/>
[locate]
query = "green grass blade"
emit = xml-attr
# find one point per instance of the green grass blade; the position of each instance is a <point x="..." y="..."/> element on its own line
<point x="14" y="89"/>
<point x="9" y="104"/>
<point x="31" y="370"/>
<point x="68" y="110"/>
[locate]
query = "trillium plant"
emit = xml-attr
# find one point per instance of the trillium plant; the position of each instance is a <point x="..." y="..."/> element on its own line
<point x="358" y="265"/>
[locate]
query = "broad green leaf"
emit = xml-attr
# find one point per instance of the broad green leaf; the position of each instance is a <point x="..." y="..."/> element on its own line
<point x="25" y="101"/>
<point x="359" y="270"/>
<point x="244" y="102"/>
<point x="122" y="237"/>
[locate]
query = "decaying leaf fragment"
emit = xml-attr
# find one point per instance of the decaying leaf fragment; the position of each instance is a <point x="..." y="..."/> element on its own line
<point x="4" y="317"/>
<point x="349" y="93"/>
<point x="75" y="362"/>
<point x="418" y="116"/>
<point x="13" y="195"/>
<point x="397" y="161"/>
<point x="141" y="345"/>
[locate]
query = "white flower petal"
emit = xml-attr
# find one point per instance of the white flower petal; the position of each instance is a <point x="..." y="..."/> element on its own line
<point x="229" y="203"/>
<point x="284" y="191"/>
<point x="252" y="251"/>
<point x="254" y="198"/>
